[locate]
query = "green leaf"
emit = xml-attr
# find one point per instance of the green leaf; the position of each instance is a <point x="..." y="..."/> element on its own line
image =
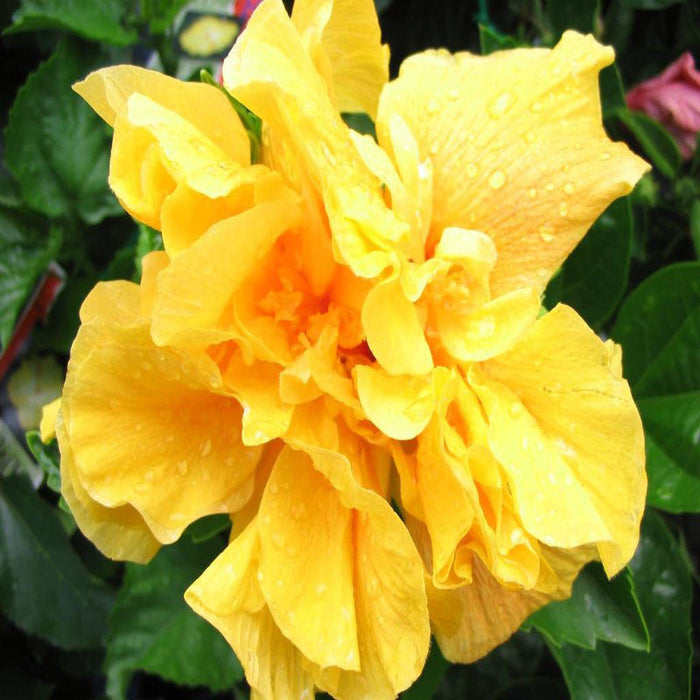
<point x="579" y="15"/>
<point x="648" y="4"/>
<point x="598" y="610"/>
<point x="209" y="526"/>
<point x="360" y="122"/>
<point x="612" y="93"/>
<point x="56" y="147"/>
<point x="14" y="458"/>
<point x="154" y="630"/>
<point x="162" y="14"/>
<point x="658" y="145"/>
<point x="659" y="329"/>
<point x="430" y="677"/>
<point x="48" y="458"/>
<point x="100" y="21"/>
<point x="663" y="586"/>
<point x="594" y="277"/>
<point x="28" y="245"/>
<point x="149" y="240"/>
<point x="490" y="40"/>
<point x="695" y="226"/>
<point x="44" y="587"/>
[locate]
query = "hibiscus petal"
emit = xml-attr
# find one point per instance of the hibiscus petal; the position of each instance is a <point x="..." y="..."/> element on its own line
<point x="108" y="90"/>
<point x="119" y="533"/>
<point x="228" y="595"/>
<point x="306" y="537"/>
<point x="518" y="148"/>
<point x="145" y="429"/>
<point x="344" y="40"/>
<point x="400" y="406"/>
<point x="565" y="428"/>
<point x="196" y="288"/>
<point x="270" y="71"/>
<point x="394" y="333"/>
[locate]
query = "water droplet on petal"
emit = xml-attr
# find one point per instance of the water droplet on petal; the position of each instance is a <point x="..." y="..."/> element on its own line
<point x="497" y="180"/>
<point x="536" y="107"/>
<point x="259" y="576"/>
<point x="532" y="193"/>
<point x="453" y="94"/>
<point x="278" y="539"/>
<point x="605" y="155"/>
<point x="321" y="589"/>
<point x="206" y="448"/>
<point x="525" y="442"/>
<point x="434" y="148"/>
<point x="530" y="137"/>
<point x="501" y="105"/>
<point x="563" y="209"/>
<point x="569" y="187"/>
<point x="516" y="410"/>
<point x="273" y="488"/>
<point x="472" y="170"/>
<point x="433" y="106"/>
<point x="182" y="467"/>
<point x="546" y="233"/>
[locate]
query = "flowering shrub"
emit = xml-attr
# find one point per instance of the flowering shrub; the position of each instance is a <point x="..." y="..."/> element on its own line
<point x="352" y="350"/>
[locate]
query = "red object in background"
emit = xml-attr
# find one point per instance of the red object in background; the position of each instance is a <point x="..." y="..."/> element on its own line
<point x="36" y="308"/>
<point x="243" y="9"/>
<point x="673" y="99"/>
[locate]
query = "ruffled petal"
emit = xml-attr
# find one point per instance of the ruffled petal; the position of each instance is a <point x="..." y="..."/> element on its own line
<point x="196" y="288"/>
<point x="518" y="148"/>
<point x="270" y="71"/>
<point x="108" y="91"/>
<point x="565" y="427"/>
<point x="344" y="40"/>
<point x="228" y="595"/>
<point x="394" y="333"/>
<point x="119" y="533"/>
<point x="400" y="406"/>
<point x="306" y="537"/>
<point x="145" y="426"/>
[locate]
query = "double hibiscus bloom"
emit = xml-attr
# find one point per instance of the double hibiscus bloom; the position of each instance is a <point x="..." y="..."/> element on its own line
<point x="342" y="346"/>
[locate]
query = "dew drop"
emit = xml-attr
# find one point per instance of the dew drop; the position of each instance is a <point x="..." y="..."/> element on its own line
<point x="551" y="478"/>
<point x="434" y="148"/>
<point x="453" y="94"/>
<point x="546" y="234"/>
<point x="563" y="209"/>
<point x="532" y="193"/>
<point x="486" y="327"/>
<point x="321" y="589"/>
<point x="206" y="447"/>
<point x="530" y="137"/>
<point x="605" y="155"/>
<point x="569" y="187"/>
<point x="273" y="488"/>
<point x="501" y="105"/>
<point x="433" y="106"/>
<point x="536" y="107"/>
<point x="182" y="467"/>
<point x="278" y="539"/>
<point x="572" y="427"/>
<point x="497" y="180"/>
<point x="549" y="187"/>
<point x="543" y="272"/>
<point x="140" y="488"/>
<point x="538" y="362"/>
<point x="149" y="475"/>
<point x="259" y="576"/>
<point x="472" y="170"/>
<point x="516" y="535"/>
<point x="525" y="442"/>
<point x="516" y="410"/>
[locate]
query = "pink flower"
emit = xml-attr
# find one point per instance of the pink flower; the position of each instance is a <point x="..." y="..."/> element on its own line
<point x="673" y="98"/>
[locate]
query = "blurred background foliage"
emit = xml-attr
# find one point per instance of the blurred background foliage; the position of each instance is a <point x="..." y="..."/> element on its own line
<point x="74" y="624"/>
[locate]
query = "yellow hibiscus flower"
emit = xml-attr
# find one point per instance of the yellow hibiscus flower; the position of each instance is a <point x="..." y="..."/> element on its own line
<point x="350" y="323"/>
